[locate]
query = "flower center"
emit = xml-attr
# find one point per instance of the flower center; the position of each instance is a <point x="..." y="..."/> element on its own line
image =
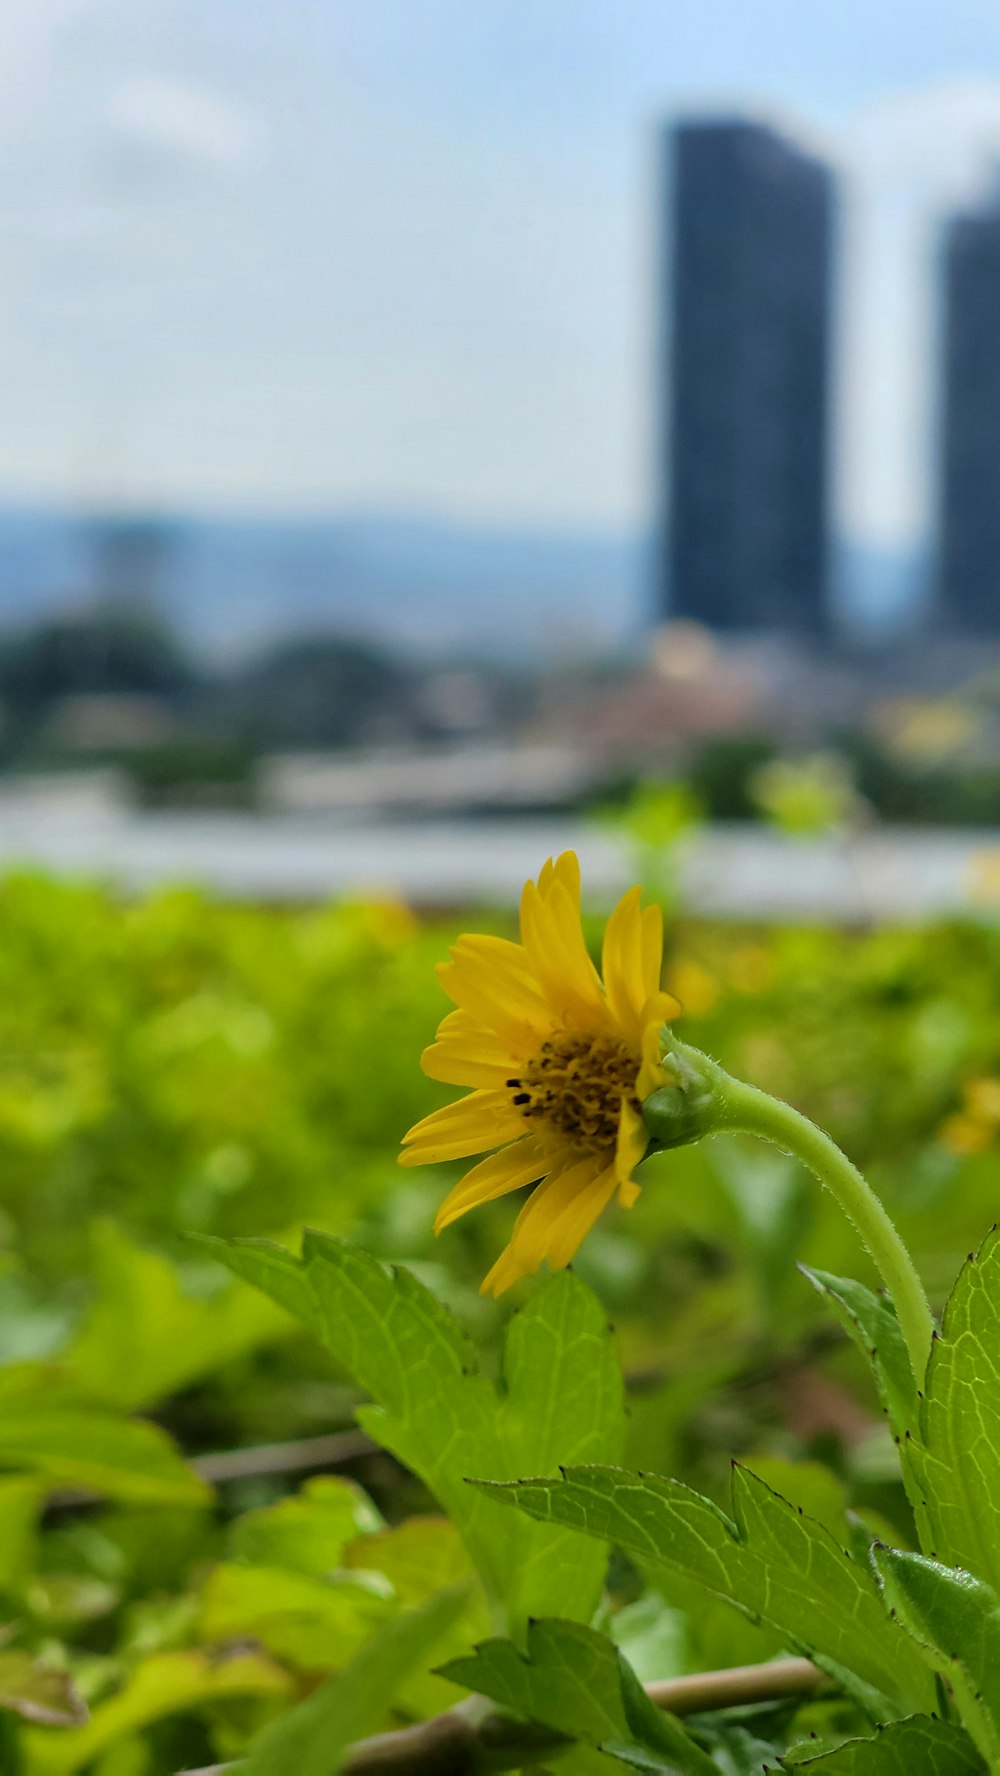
<point x="577" y="1084"/>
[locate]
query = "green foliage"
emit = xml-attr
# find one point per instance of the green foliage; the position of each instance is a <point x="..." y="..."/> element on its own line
<point x="870" y="1320"/>
<point x="579" y="1684"/>
<point x="167" y="1683"/>
<point x="918" y="1746"/>
<point x="313" y="1737"/>
<point x="37" y="1692"/>
<point x="957" y="1457"/>
<point x="805" y="796"/>
<point x="771" y="1560"/>
<point x="320" y="691"/>
<point x="559" y="1392"/>
<point x="51" y="1428"/>
<point x="175" y="1065"/>
<point x="172" y="1337"/>
<point x="955" y="1619"/>
<point x="309" y="1532"/>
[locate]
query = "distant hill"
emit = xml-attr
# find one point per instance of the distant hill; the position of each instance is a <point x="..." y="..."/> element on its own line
<point x="231" y="585"/>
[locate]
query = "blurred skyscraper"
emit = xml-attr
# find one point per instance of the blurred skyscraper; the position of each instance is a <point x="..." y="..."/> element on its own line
<point x="743" y="379"/>
<point x="969" y="542"/>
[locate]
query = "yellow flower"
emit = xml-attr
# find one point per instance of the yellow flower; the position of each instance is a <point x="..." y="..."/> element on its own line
<point x="559" y="1065"/>
<point x="974" y="1128"/>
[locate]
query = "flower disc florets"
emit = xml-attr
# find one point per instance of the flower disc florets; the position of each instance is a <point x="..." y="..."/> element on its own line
<point x="577" y="1084"/>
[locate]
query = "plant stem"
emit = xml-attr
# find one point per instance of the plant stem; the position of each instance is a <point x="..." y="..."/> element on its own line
<point x="744" y="1109"/>
<point x="453" y="1745"/>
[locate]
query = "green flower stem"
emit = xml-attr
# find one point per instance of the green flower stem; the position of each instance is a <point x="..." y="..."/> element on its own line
<point x="746" y="1110"/>
<point x="698" y="1098"/>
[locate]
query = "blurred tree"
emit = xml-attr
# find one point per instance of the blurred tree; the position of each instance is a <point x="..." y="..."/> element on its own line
<point x="107" y="650"/>
<point x="721" y="775"/>
<point x="322" y="691"/>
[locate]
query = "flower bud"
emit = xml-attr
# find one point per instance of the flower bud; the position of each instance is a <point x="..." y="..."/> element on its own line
<point x="686" y="1106"/>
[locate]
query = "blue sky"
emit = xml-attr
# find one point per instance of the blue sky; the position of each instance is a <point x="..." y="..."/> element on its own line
<point x="341" y="254"/>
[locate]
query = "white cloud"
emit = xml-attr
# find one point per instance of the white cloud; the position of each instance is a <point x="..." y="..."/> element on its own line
<point x="182" y="117"/>
<point x="29" y="31"/>
<point x="935" y="146"/>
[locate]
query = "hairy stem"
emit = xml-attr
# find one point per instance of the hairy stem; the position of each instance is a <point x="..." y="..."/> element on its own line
<point x="746" y="1110"/>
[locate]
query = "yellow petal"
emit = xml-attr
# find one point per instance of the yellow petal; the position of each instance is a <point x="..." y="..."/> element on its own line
<point x="559" y="1215"/>
<point x="463" y="1023"/>
<point x="464" y="1028"/>
<point x="651" y="1071"/>
<point x="577" y="1219"/>
<point x="522" y="1163"/>
<point x="565" y="871"/>
<point x="652" y="949"/>
<point x="553" y="938"/>
<point x="537" y="1224"/>
<point x="658" y="1010"/>
<point x="507" y="1271"/>
<point x="511" y="958"/>
<point x="633" y="1140"/>
<point x="498" y="1005"/>
<point x="622" y="965"/>
<point x="461" y="1063"/>
<point x="483" y="1119"/>
<point x="515" y="983"/>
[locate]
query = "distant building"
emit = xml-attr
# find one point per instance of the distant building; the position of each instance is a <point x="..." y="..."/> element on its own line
<point x="441" y="781"/>
<point x="743" y="380"/>
<point x="969" y="541"/>
<point x="131" y="558"/>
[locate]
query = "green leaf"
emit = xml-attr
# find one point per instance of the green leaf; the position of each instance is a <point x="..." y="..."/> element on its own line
<point x="653" y="1636"/>
<point x="771" y="1561"/>
<point x="559" y="1397"/>
<point x="271" y="1269"/>
<point x="313" y="1738"/>
<point x="21" y="1500"/>
<point x="419" y="1557"/>
<point x="308" y="1532"/>
<point x="917" y="1746"/>
<point x="38" y="1692"/>
<point x="171" y="1337"/>
<point x="808" y="1486"/>
<point x="167" y="1683"/>
<point x="561" y="1400"/>
<point x="48" y="1427"/>
<point x="311" y="1623"/>
<point x="955" y="1619"/>
<point x="957" y="1457"/>
<point x="870" y="1320"/>
<point x="578" y="1683"/>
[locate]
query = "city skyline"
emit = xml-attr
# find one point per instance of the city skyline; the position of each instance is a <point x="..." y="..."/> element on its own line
<point x="336" y="258"/>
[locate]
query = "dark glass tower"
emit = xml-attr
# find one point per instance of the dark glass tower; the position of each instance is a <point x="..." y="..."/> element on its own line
<point x="969" y="554"/>
<point x="744" y="376"/>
